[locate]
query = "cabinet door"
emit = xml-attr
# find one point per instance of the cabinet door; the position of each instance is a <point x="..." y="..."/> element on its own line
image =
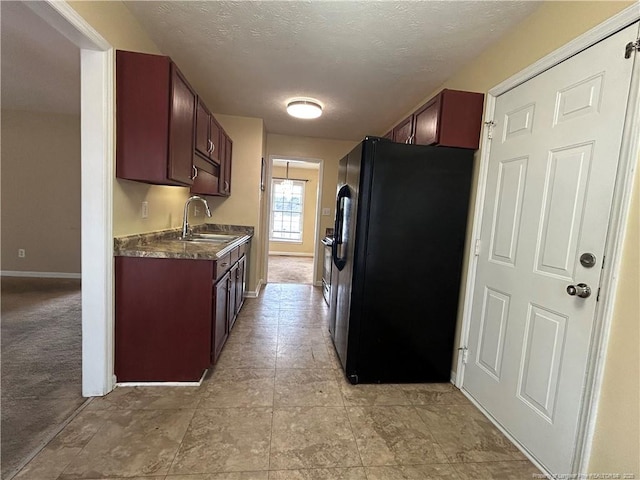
<point x="162" y="319"/>
<point x="220" y="319"/>
<point x="403" y="132"/>
<point x="225" y="167"/>
<point x="202" y="130"/>
<point x="240" y="283"/>
<point x="233" y="282"/>
<point x="426" y="120"/>
<point x="181" y="125"/>
<point x="215" y="137"/>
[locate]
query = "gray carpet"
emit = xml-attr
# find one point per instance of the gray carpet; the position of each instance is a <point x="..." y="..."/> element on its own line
<point x="41" y="363"/>
<point x="289" y="269"/>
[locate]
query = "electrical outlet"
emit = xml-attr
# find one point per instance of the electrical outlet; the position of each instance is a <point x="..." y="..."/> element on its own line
<point x="22" y="253"/>
<point x="326" y="212"/>
<point x="145" y="210"/>
<point x="196" y="211"/>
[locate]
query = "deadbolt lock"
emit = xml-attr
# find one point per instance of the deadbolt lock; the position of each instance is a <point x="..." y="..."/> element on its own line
<point x="587" y="260"/>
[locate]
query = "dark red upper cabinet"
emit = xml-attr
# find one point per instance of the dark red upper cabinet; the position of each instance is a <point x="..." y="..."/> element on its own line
<point x="155" y="120"/>
<point x="452" y="118"/>
<point x="207" y="134"/>
<point x="403" y="132"/>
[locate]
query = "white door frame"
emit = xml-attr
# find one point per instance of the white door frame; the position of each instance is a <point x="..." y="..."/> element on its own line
<point x="316" y="239"/>
<point x="97" y="160"/>
<point x="617" y="225"/>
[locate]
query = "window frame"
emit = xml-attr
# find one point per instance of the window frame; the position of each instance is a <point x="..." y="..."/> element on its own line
<point x="272" y="238"/>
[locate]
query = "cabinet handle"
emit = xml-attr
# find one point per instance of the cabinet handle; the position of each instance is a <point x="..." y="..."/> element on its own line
<point x="209" y="143"/>
<point x="225" y="264"/>
<point x="195" y="173"/>
<point x="226" y="186"/>
<point x="213" y="147"/>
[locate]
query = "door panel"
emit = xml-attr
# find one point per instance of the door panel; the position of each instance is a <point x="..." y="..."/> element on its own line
<point x="550" y="180"/>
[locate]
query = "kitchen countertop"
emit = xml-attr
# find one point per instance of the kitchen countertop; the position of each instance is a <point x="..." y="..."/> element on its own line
<point x="167" y="243"/>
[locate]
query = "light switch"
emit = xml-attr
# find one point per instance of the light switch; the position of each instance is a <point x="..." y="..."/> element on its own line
<point x="326" y="212"/>
<point x="145" y="210"/>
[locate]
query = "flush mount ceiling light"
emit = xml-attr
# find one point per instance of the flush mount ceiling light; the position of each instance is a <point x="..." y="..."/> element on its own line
<point x="304" y="108"/>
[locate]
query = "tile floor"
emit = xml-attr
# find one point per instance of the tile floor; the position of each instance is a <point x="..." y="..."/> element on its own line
<point x="277" y="407"/>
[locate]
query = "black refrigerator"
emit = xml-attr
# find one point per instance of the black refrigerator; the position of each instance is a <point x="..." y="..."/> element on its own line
<point x="399" y="233"/>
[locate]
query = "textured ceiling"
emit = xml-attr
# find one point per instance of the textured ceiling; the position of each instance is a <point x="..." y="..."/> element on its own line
<point x="40" y="68"/>
<point x="368" y="62"/>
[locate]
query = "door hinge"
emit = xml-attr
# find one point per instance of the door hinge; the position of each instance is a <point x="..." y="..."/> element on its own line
<point x="465" y="354"/>
<point x="598" y="296"/>
<point x="630" y="47"/>
<point x="476" y="248"/>
<point x="603" y="259"/>
<point x="490" y="126"/>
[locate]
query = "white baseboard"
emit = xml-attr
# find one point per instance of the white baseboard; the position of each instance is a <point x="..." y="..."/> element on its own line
<point x="292" y="254"/>
<point x="163" y="384"/>
<point x="15" y="273"/>
<point x="453" y="378"/>
<point x="254" y="293"/>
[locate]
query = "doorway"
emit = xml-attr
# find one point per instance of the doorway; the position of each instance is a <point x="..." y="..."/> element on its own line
<point x="293" y="219"/>
<point x="544" y="228"/>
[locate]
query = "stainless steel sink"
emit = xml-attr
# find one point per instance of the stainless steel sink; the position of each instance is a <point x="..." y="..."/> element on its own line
<point x="211" y="238"/>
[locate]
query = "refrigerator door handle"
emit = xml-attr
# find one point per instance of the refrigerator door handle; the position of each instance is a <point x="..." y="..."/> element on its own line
<point x="337" y="247"/>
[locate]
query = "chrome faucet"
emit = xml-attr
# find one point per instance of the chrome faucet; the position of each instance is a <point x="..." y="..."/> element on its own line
<point x="186" y="231"/>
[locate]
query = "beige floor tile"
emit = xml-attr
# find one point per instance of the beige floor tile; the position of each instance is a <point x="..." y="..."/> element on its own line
<point x="440" y="471"/>
<point x="297" y="335"/>
<point x="147" y="398"/>
<point x="312" y="437"/>
<point x="303" y="356"/>
<point x="265" y="318"/>
<point x="306" y="387"/>
<point x="225" y="440"/>
<point x="49" y="463"/>
<point x="369" y="394"/>
<point x="264" y="475"/>
<point x="247" y="356"/>
<point x="352" y="473"/>
<point x="466" y="435"/>
<point x="132" y="443"/>
<point x="238" y="387"/>
<point x="434" y="394"/>
<point x="261" y="335"/>
<point x="523" y="470"/>
<point x="298" y="317"/>
<point x="393" y="435"/>
<point x="81" y="429"/>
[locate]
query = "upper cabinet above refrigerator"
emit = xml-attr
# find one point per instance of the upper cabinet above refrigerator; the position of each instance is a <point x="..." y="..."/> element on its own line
<point x="452" y="118"/>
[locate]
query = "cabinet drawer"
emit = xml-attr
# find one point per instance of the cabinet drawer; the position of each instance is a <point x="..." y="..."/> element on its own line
<point x="222" y="265"/>
<point x="242" y="249"/>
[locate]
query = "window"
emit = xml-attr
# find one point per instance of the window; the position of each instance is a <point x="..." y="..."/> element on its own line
<point x="286" y="211"/>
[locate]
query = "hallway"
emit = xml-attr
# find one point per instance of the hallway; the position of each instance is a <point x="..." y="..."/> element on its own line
<point x="277" y="406"/>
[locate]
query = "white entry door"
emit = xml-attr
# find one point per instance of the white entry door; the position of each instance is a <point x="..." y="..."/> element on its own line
<point x="552" y="167"/>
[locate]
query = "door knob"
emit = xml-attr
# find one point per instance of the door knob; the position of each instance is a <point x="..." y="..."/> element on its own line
<point x="581" y="290"/>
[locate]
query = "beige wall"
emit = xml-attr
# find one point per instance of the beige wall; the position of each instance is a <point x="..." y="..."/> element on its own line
<point x="40" y="163"/>
<point x="116" y="24"/>
<point x="309" y="215"/>
<point x="616" y="446"/>
<point x="330" y="151"/>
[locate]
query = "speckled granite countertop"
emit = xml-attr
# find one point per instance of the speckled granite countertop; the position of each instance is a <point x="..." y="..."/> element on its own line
<point x="167" y="243"/>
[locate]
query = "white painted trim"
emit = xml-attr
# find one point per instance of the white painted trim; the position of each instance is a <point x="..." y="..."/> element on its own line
<point x="610" y="26"/>
<point x="61" y="16"/>
<point x="164" y="384"/>
<point x="621" y="206"/>
<point x="97" y="170"/>
<point x="97" y="120"/>
<point x="520" y="447"/>
<point x="619" y="216"/>
<point x="254" y="293"/>
<point x="317" y="247"/>
<point x="15" y="273"/>
<point x="317" y="283"/>
<point x="291" y="254"/>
